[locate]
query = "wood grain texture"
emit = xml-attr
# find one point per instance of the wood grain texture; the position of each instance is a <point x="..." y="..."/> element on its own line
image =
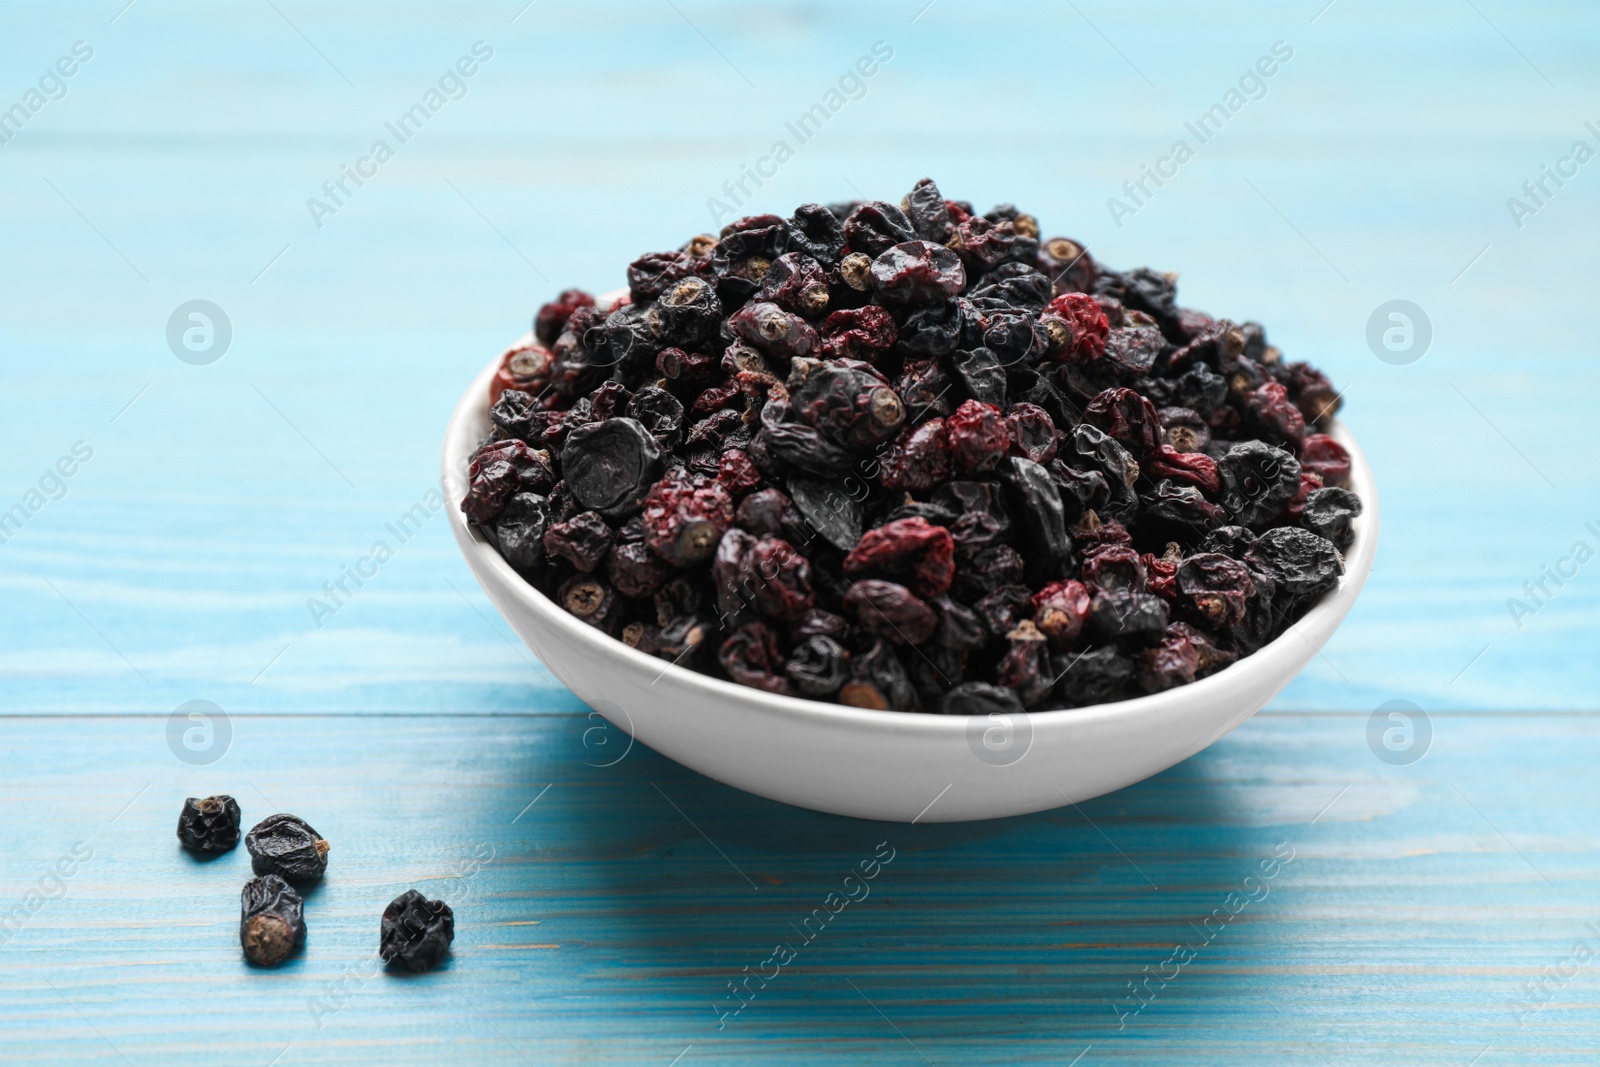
<point x="603" y="923"/>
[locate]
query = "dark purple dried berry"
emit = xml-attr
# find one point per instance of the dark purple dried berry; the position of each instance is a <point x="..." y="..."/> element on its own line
<point x="661" y="414"/>
<point x="817" y="232"/>
<point x="979" y="698"/>
<point x="1215" y="590"/>
<point x="1025" y="667"/>
<point x="1329" y="513"/>
<point x="891" y="611"/>
<point x="1094" y="676"/>
<point x="874" y="227"/>
<point x="1258" y="481"/>
<point x="209" y="826"/>
<point x="751" y="657"/>
<point x="916" y="273"/>
<point x="583" y="541"/>
<point x="271" y="921"/>
<point x="849" y="403"/>
<point x="1138" y="618"/>
<point x="519" y="531"/>
<point x="609" y="466"/>
<point x="796" y="282"/>
<point x="1303" y="565"/>
<point x="288" y="847"/>
<point x="416" y="932"/>
<point x="828" y="510"/>
<point x="818" y="666"/>
<point x="878" y="680"/>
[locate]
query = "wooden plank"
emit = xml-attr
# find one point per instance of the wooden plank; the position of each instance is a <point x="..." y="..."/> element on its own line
<point x="604" y="921"/>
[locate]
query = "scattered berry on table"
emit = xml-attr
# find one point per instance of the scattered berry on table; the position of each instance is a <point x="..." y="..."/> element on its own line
<point x="416" y="932"/>
<point x="271" y="921"/>
<point x="210" y="825"/>
<point x="287" y="846"/>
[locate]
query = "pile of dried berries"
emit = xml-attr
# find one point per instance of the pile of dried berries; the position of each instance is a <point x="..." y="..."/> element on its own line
<point x="914" y="457"/>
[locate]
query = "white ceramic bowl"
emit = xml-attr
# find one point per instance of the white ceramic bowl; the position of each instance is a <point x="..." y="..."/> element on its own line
<point x="898" y="766"/>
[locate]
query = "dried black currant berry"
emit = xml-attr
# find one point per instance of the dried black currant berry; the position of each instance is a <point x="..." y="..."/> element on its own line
<point x="416" y="932"/>
<point x="210" y="825"/>
<point x="980" y="698"/>
<point x="609" y="466"/>
<point x="271" y="921"/>
<point x="287" y="846"/>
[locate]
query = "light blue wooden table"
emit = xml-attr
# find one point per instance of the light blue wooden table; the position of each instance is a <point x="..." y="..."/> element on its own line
<point x="1433" y="912"/>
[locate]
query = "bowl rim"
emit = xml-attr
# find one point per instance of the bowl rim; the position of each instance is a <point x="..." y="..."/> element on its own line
<point x="1279" y="657"/>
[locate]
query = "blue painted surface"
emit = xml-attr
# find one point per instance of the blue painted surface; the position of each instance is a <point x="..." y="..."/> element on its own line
<point x="218" y="499"/>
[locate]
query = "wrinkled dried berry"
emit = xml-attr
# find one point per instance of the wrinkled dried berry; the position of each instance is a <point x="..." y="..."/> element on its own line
<point x="891" y="611"/>
<point x="583" y="541"/>
<point x="271" y="921"/>
<point x="818" y="666"/>
<point x="912" y="550"/>
<point x="416" y="932"/>
<point x="917" y="272"/>
<point x="1302" y="564"/>
<point x="499" y="470"/>
<point x="980" y="698"/>
<point x="1330" y="512"/>
<point x="609" y="466"/>
<point x="287" y="846"/>
<point x="1257" y="482"/>
<point x="1215" y="589"/>
<point x="209" y="826"/>
<point x="685" y="517"/>
<point x="878" y="680"/>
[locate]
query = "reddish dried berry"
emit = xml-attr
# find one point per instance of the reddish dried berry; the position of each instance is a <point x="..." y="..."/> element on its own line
<point x="1033" y="432"/>
<point x="891" y="611"/>
<point x="1080" y="328"/>
<point x="583" y="541"/>
<point x="552" y="317"/>
<point x="913" y="550"/>
<point x="737" y="472"/>
<point x="1172" y="662"/>
<point x="779" y="577"/>
<point x="1025" y="667"/>
<point x="774" y="331"/>
<point x="1186" y="468"/>
<point x="684" y="518"/>
<point x="1323" y="455"/>
<point x="500" y="469"/>
<point x="1128" y="417"/>
<point x="1272" y="410"/>
<point x="918" y="461"/>
<point x="863" y="333"/>
<point x="526" y="368"/>
<point x="978" y="437"/>
<point x="751" y="657"/>
<point x="796" y="282"/>
<point x="1162" y="573"/>
<point x="1060" y="610"/>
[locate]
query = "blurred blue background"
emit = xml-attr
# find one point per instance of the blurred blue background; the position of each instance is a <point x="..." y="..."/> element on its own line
<point x="179" y="162"/>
